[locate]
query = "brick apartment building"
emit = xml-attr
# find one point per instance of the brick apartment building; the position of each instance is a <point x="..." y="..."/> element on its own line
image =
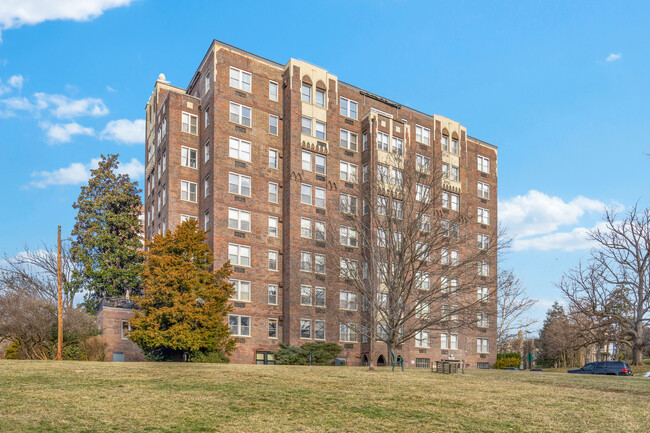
<point x="252" y="149"/>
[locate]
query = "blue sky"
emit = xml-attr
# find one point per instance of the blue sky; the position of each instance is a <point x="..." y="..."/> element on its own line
<point x="562" y="90"/>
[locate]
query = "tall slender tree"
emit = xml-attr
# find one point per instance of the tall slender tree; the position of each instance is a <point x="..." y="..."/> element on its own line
<point x="106" y="234"/>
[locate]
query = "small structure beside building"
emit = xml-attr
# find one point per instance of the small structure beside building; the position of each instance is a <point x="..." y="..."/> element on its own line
<point x="113" y="320"/>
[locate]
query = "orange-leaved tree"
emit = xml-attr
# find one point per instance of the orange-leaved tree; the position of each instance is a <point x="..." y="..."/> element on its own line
<point x="184" y="305"/>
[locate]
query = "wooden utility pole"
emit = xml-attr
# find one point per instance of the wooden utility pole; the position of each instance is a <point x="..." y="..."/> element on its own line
<point x="59" y="349"/>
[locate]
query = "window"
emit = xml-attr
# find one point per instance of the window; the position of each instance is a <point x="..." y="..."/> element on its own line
<point x="206" y="83"/>
<point x="305" y="193"/>
<point x="422" y="311"/>
<point x="482" y="293"/>
<point x="305" y="261"/>
<point x="187" y="218"/>
<point x="242" y="290"/>
<point x="445" y="171"/>
<point x="240" y="149"/>
<point x="348" y="268"/>
<point x="159" y="169"/>
<point x="482" y="320"/>
<point x="164" y="195"/>
<point x="348" y="140"/>
<point x="240" y="114"/>
<point x="239" y="220"/>
<point x="306" y="160"/>
<point x="206" y="151"/>
<point x="273" y="328"/>
<point x="306" y="126"/>
<point x="320" y="97"/>
<point x="382" y="173"/>
<point x="422" y="164"/>
<point x="273" y="91"/>
<point x="450" y="201"/>
<point x="273" y="226"/>
<point x="319" y="296"/>
<point x="483" y="164"/>
<point x="273" y="294"/>
<point x="273" y="260"/>
<point x="483" y="190"/>
<point x="188" y="191"/>
<point x="397" y="178"/>
<point x="126" y="327"/>
<point x="320" y="130"/>
<point x="240" y="79"/>
<point x="422" y="339"/>
<point x="305" y="328"/>
<point x="444" y="341"/>
<point x="482" y="345"/>
<point x="319" y="329"/>
<point x="305" y="228"/>
<point x="319" y="197"/>
<point x="348" y="108"/>
<point x="206" y="186"/>
<point x="454" y="146"/>
<point x="423" y="193"/>
<point x="449" y="229"/>
<point x="483" y="268"/>
<point x="483" y="242"/>
<point x="239" y="184"/>
<point x="319" y="263"/>
<point x="349" y="172"/>
<point x="455" y="173"/>
<point x="398" y="209"/>
<point x="306" y="93"/>
<point x="273" y="124"/>
<point x="422" y="363"/>
<point x="422" y="134"/>
<point x="188" y="123"/>
<point x="382" y="300"/>
<point x="422" y="281"/>
<point x="453" y="341"/>
<point x="382" y="205"/>
<point x="348" y="300"/>
<point x="206" y="118"/>
<point x="319" y="230"/>
<point x="273" y="192"/>
<point x="188" y="157"/>
<point x="425" y="222"/>
<point x="348" y="332"/>
<point x="423" y="251"/>
<point x="349" y="236"/>
<point x="454" y="258"/>
<point x="320" y="162"/>
<point x="483" y="216"/>
<point x="398" y="146"/>
<point x="444" y="256"/>
<point x="445" y="143"/>
<point x="348" y="204"/>
<point x="365" y="141"/>
<point x="240" y="325"/>
<point x="382" y="141"/>
<point x="164" y="161"/>
<point x="239" y="254"/>
<point x="364" y="171"/>
<point x="273" y="158"/>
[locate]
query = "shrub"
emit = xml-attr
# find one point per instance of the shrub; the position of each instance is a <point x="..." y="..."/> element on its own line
<point x="321" y="354"/>
<point x="94" y="348"/>
<point x="209" y="357"/>
<point x="507" y="362"/>
<point x="13" y="351"/>
<point x="509" y="355"/>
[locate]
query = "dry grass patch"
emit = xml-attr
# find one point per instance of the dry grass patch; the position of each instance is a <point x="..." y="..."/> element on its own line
<point x="167" y="397"/>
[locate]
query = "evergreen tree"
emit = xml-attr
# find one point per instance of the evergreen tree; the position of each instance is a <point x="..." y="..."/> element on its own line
<point x="184" y="305"/>
<point x="106" y="234"/>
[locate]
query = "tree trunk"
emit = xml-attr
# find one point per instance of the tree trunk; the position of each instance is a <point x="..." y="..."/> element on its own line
<point x="389" y="358"/>
<point x="637" y="345"/>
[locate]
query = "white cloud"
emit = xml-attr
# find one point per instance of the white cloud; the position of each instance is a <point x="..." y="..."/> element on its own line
<point x="110" y="89"/>
<point x="78" y="173"/>
<point x="63" y="132"/>
<point x="124" y="131"/>
<point x="16" y="81"/>
<point x="576" y="239"/>
<point x="613" y="57"/>
<point x="15" y="103"/>
<point x="64" y="107"/>
<point x="16" y="13"/>
<point x="537" y="213"/>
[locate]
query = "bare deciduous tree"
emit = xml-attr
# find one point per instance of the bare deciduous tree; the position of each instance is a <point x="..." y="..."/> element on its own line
<point x="615" y="284"/>
<point x="512" y="307"/>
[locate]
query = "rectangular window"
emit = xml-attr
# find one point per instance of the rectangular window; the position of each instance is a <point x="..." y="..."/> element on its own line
<point x="126" y="328"/>
<point x="397" y="178"/>
<point x="319" y="329"/>
<point x="305" y="194"/>
<point x="348" y="108"/>
<point x="483" y="242"/>
<point x="482" y="345"/>
<point x="398" y="146"/>
<point x="273" y="91"/>
<point x="348" y="332"/>
<point x="453" y="341"/>
<point x="422" y="363"/>
<point x="445" y="143"/>
<point x="483" y="190"/>
<point x="206" y="186"/>
<point x="423" y="193"/>
<point x="348" y="140"/>
<point x="364" y="171"/>
<point x="273" y="328"/>
<point x="422" y="311"/>
<point x="273" y="226"/>
<point x="483" y="216"/>
<point x="164" y="195"/>
<point x="305" y="228"/>
<point x="348" y="204"/>
<point x="320" y="97"/>
<point x="188" y="157"/>
<point x="306" y="160"/>
<point x="455" y="173"/>
<point x="382" y="205"/>
<point x="239" y="220"/>
<point x="348" y="268"/>
<point x="188" y="191"/>
<point x="422" y="281"/>
<point x="483" y="164"/>
<point x="364" y="140"/>
<point x="305" y="261"/>
<point x="450" y="201"/>
<point x="425" y="222"/>
<point x="240" y="149"/>
<point x="348" y="300"/>
<point x="319" y="230"/>
<point x="445" y="171"/>
<point x="273" y="294"/>
<point x="206" y="151"/>
<point x="482" y="293"/>
<point x="349" y="236"/>
<point x="382" y="141"/>
<point x="242" y="290"/>
<point x="240" y="325"/>
<point x="273" y="192"/>
<point x="240" y="79"/>
<point x="349" y="172"/>
<point x="319" y="197"/>
<point x="398" y="209"/>
<point x="164" y="161"/>
<point x="187" y="218"/>
<point x="422" y="339"/>
<point x="188" y="123"/>
<point x="306" y="93"/>
<point x="273" y="124"/>
<point x="206" y="117"/>
<point x="305" y="328"/>
<point x="482" y="320"/>
<point x="454" y="146"/>
<point x="444" y="341"/>
<point x="306" y="126"/>
<point x="239" y="255"/>
<point x="206" y="83"/>
<point x="319" y="263"/>
<point x="422" y="164"/>
<point x="319" y="296"/>
<point x="320" y="163"/>
<point x="382" y="173"/>
<point x="240" y="114"/>
<point x="239" y="184"/>
<point x="273" y="260"/>
<point x="320" y="130"/>
<point x="273" y="158"/>
<point x="483" y="269"/>
<point x="422" y="134"/>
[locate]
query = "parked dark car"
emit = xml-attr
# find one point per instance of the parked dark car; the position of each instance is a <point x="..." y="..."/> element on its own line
<point x="617" y="368"/>
<point x="510" y="368"/>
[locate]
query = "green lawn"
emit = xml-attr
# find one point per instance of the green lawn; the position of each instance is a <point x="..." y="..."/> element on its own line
<point x="166" y="397"/>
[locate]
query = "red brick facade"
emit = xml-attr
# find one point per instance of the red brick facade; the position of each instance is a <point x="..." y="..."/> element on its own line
<point x="166" y="169"/>
<point x="112" y="320"/>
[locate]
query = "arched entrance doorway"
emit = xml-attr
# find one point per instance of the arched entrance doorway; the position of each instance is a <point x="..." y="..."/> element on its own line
<point x="381" y="361"/>
<point x="364" y="360"/>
